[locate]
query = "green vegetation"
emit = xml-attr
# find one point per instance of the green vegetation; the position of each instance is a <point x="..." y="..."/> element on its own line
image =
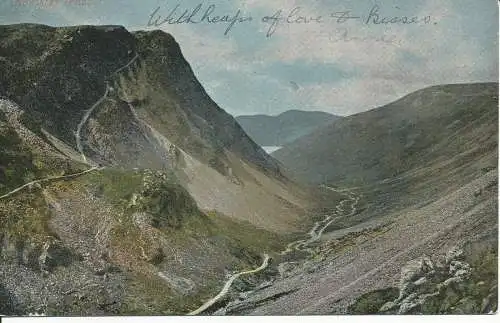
<point x="474" y="295"/>
<point x="172" y="209"/>
<point x="25" y="218"/>
<point x="141" y="222"/>
<point x="246" y="235"/>
<point x="173" y="217"/>
<point x="16" y="161"/>
<point x="169" y="205"/>
<point x="371" y="302"/>
<point x="114" y="184"/>
<point x="147" y="294"/>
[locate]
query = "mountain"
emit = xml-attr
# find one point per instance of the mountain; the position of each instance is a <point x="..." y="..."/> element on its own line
<point x="417" y="229"/>
<point x="284" y="128"/>
<point x="424" y="127"/>
<point x="124" y="189"/>
<point x="107" y="95"/>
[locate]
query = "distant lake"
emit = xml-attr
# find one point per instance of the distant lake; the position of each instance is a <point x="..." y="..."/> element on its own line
<point x="270" y="149"/>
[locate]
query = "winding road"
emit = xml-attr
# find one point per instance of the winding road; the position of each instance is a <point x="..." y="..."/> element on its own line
<point x="78" y="140"/>
<point x="48" y="179"/>
<point x="88" y="112"/>
<point x="85" y="117"/>
<point x="228" y="284"/>
<point x="298" y="245"/>
<point x="320" y="226"/>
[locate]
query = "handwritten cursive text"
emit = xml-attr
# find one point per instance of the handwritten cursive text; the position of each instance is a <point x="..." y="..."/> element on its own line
<point x="197" y="15"/>
<point x="294" y="16"/>
<point x="375" y="18"/>
<point x="210" y="14"/>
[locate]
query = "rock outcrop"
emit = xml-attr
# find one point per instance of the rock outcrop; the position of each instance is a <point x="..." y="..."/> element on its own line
<point x="427" y="287"/>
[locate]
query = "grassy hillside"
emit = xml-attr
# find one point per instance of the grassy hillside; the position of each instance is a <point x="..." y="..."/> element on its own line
<point x="16" y="165"/>
<point x="137" y="237"/>
<point x="424" y="127"/>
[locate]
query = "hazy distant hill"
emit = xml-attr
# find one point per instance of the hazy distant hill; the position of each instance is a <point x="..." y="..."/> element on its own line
<point x="284" y="128"/>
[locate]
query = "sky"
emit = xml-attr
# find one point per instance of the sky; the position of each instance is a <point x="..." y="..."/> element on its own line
<point x="331" y="64"/>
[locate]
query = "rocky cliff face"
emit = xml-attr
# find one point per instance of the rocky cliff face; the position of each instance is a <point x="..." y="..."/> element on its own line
<point x="109" y="97"/>
<point x="58" y="74"/>
<point x="462" y="282"/>
<point x="121" y="179"/>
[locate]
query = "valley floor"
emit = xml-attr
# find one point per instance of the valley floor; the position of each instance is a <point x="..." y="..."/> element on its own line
<point x="359" y="262"/>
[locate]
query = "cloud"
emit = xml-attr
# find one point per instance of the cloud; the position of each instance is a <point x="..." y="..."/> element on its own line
<point x="340" y="68"/>
<point x="392" y="61"/>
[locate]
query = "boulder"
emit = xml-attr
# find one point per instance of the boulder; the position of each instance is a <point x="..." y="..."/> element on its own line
<point x="454" y="254"/>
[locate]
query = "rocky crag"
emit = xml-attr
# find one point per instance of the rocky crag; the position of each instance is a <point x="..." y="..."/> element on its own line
<point x="124" y="189"/>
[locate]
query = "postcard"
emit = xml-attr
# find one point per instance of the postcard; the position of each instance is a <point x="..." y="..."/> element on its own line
<point x="248" y="157"/>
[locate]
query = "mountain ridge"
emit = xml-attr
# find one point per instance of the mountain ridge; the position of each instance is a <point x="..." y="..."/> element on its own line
<point x="378" y="129"/>
<point x="285" y="127"/>
<point x="126" y="190"/>
<point x="118" y="171"/>
<point x="111" y="74"/>
<point x="116" y="42"/>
